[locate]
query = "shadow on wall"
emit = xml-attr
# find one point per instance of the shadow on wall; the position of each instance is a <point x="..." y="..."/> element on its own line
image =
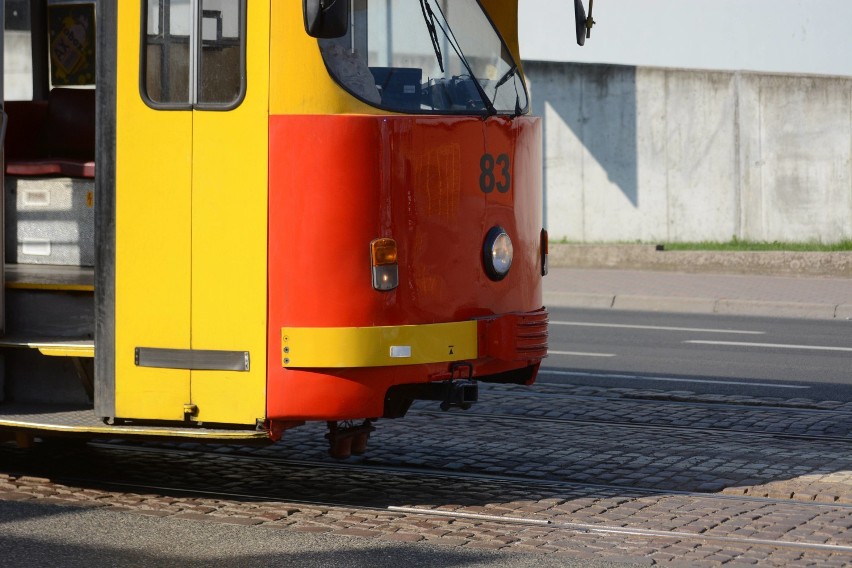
<point x="598" y="104"/>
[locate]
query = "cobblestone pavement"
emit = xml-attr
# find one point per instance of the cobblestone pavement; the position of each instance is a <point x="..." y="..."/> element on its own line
<point x="584" y="464"/>
<point x="750" y="451"/>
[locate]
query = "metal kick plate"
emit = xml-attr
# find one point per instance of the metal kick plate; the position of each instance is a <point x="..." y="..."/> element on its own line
<point x="193" y="359"/>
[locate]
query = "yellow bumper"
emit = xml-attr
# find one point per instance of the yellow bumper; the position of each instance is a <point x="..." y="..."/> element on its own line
<point x="384" y="346"/>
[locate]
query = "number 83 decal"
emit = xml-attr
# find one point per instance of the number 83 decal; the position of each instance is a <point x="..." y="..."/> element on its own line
<point x="495" y="173"/>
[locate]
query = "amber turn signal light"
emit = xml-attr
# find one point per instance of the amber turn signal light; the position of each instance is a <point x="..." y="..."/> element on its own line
<point x="385" y="268"/>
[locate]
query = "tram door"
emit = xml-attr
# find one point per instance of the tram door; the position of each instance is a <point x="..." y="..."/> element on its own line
<point x="191" y="210"/>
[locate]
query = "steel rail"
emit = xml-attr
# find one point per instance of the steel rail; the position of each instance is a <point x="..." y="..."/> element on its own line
<point x="587" y="528"/>
<point x="633" y="426"/>
<point x="526" y="392"/>
<point x="404" y="470"/>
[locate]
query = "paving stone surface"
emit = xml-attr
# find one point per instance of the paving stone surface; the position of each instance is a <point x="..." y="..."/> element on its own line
<point x="649" y="478"/>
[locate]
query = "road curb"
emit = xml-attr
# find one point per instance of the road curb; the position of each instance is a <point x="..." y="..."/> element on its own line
<point x="656" y="258"/>
<point x="678" y="304"/>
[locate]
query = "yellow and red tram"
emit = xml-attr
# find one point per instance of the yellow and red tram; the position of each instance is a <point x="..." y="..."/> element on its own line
<point x="224" y="219"/>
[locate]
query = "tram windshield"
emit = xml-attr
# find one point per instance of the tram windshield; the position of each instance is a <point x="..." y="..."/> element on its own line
<point x="430" y="56"/>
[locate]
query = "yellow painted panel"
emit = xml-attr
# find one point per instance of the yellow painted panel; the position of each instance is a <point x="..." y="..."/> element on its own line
<point x="153" y="204"/>
<point x="378" y="346"/>
<point x="229" y="237"/>
<point x="300" y="82"/>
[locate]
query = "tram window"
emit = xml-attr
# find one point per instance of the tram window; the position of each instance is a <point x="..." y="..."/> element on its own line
<point x="221" y="52"/>
<point x="17" y="41"/>
<point x="166" y="51"/>
<point x="183" y="68"/>
<point x="435" y="56"/>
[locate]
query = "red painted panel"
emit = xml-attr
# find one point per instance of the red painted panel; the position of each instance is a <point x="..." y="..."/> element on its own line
<point x="338" y="182"/>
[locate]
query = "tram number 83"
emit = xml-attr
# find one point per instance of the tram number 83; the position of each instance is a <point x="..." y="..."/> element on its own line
<point x="495" y="173"/>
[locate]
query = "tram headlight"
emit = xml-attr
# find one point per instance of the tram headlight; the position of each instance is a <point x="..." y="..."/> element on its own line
<point x="497" y="253"/>
<point x="384" y="257"/>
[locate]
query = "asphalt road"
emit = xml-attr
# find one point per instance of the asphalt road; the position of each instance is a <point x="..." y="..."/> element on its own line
<point x="706" y="354"/>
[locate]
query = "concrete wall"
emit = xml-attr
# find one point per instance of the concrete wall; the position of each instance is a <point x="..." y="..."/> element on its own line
<point x="675" y="155"/>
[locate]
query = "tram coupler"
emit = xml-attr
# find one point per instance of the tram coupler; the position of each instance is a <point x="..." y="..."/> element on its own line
<point x="458" y="389"/>
<point x="345" y="439"/>
<point x="452" y="393"/>
<point x="461" y="392"/>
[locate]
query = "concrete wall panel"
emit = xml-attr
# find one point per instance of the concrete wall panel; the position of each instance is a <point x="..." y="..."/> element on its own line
<point x="554" y="98"/>
<point x="675" y="155"/>
<point x="806" y="148"/>
<point x="608" y="135"/>
<point x="752" y="210"/>
<point x="652" y="144"/>
<point x="701" y="162"/>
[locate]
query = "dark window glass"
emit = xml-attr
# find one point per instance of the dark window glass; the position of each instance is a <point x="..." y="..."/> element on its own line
<point x="17" y="15"/>
<point x="166" y="51"/>
<point x="194" y="52"/>
<point x="221" y="67"/>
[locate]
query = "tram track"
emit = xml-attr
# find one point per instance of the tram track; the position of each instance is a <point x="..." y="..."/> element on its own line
<point x="452" y="475"/>
<point x="635" y="426"/>
<point x="793" y="422"/>
<point x="540" y="390"/>
<point x="437" y="474"/>
<point x="451" y="513"/>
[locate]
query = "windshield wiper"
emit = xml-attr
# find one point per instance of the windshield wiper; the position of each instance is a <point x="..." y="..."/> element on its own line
<point x="506" y="76"/>
<point x="429" y="18"/>
<point x="486" y="100"/>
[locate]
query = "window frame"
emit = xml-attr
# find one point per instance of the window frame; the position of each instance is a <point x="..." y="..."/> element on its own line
<point x="195" y="60"/>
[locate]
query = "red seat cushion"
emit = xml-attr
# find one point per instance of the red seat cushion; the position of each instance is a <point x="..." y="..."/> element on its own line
<point x="51" y="167"/>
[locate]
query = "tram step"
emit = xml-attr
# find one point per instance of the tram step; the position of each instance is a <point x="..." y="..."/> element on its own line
<point x="54" y="419"/>
<point x="50" y="277"/>
<point x="53" y="370"/>
<point x="53" y="347"/>
<point x="49" y="301"/>
<point x="46" y="354"/>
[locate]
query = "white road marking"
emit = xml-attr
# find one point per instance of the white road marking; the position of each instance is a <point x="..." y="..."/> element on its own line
<point x="771" y="345"/>
<point x="656" y="327"/>
<point x="580" y="354"/>
<point x="668" y="379"/>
